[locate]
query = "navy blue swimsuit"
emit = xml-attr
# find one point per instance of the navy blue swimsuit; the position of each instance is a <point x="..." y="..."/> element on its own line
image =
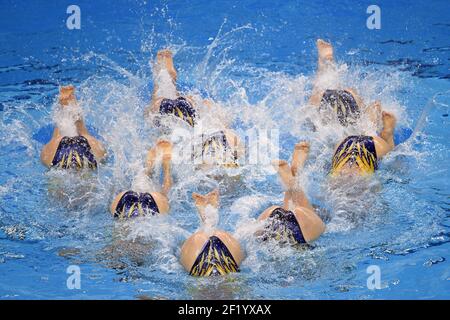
<point x="343" y="104"/>
<point x="216" y="146"/>
<point x="214" y="259"/>
<point x="74" y="152"/>
<point x="133" y="204"/>
<point x="283" y="226"/>
<point x="180" y="108"/>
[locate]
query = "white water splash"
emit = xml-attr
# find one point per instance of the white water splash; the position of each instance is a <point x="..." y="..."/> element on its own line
<point x="166" y="87"/>
<point x="65" y="118"/>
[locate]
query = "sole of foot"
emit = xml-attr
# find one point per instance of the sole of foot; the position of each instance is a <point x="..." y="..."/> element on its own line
<point x="389" y="121"/>
<point x="164" y="59"/>
<point x="164" y="148"/>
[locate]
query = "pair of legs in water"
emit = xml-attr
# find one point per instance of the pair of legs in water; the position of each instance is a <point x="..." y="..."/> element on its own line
<point x="296" y="221"/>
<point x="206" y="253"/>
<point x="216" y="251"/>
<point x="84" y="151"/>
<point x="220" y="146"/>
<point x="79" y="149"/>
<point x="355" y="154"/>
<point x="146" y="199"/>
<point x="211" y="251"/>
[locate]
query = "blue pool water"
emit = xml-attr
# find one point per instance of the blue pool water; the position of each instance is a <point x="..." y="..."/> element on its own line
<point x="258" y="58"/>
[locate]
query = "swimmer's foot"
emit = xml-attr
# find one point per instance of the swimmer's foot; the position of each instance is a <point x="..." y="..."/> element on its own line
<point x="325" y="51"/>
<point x="66" y="95"/>
<point x="164" y="147"/>
<point x="162" y="150"/>
<point x="285" y="173"/>
<point x="301" y="152"/>
<point x="202" y="201"/>
<point x="164" y="59"/>
<point x="389" y="123"/>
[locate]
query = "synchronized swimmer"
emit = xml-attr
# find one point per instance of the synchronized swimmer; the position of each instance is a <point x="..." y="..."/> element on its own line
<point x="220" y="146"/>
<point x="356" y="154"/>
<point x="210" y="251"/>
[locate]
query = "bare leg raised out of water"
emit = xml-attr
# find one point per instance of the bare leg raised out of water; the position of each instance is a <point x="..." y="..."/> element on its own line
<point x="294" y="197"/>
<point x="162" y="151"/>
<point x="167" y="179"/>
<point x="193" y="246"/>
<point x="299" y="156"/>
<point x="163" y="148"/>
<point x="373" y="111"/>
<point x="385" y="143"/>
<point x="325" y="61"/>
<point x="293" y="194"/>
<point x="325" y="55"/>
<point x="164" y="62"/>
<point x="66" y="98"/>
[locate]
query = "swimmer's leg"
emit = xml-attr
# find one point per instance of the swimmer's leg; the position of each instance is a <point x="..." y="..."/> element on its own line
<point x="386" y="143"/>
<point x="115" y="202"/>
<point x="191" y="248"/>
<point x="299" y="156"/>
<point x="49" y="150"/>
<point x="298" y="198"/>
<point x="325" y="55"/>
<point x="97" y="147"/>
<point x="67" y="96"/>
<point x="287" y="179"/>
<point x="285" y="173"/>
<point x="164" y="60"/>
<point x="236" y="146"/>
<point x="161" y="149"/>
<point x="151" y="159"/>
<point x="218" y="110"/>
<point x="310" y="223"/>
<point x="325" y="61"/>
<point x="161" y="201"/>
<point x="167" y="180"/>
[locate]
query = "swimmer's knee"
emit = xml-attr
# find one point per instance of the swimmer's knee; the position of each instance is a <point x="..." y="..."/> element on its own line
<point x="162" y="202"/>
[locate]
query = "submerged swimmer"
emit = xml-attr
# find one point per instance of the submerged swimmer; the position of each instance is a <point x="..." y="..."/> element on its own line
<point x="360" y="154"/>
<point x="144" y="199"/>
<point x="296" y="222"/>
<point x="218" y="148"/>
<point x="71" y="146"/>
<point x="210" y="251"/>
<point x="343" y="104"/>
<point x="214" y="144"/>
